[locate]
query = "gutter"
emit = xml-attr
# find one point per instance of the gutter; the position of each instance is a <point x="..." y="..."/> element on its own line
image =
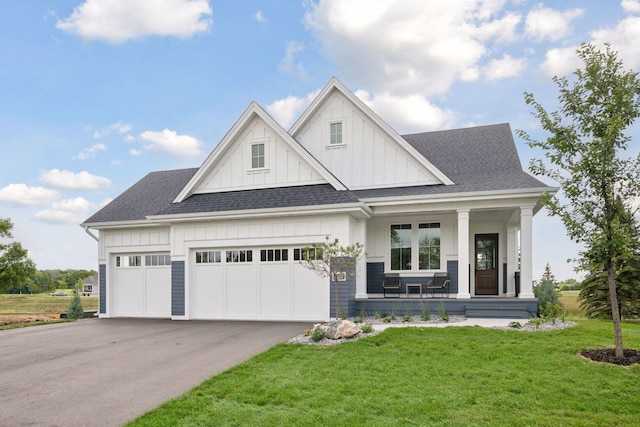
<point x="86" y="229"/>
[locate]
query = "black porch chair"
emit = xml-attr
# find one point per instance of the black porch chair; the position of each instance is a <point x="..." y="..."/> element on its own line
<point x="391" y="282"/>
<point x="439" y="282"/>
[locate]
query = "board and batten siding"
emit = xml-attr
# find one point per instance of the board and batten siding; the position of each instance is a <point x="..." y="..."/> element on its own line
<point x="177" y="288"/>
<point x="267" y="232"/>
<point x="136" y="240"/>
<point x="283" y="166"/>
<point x="369" y="156"/>
<point x="102" y="279"/>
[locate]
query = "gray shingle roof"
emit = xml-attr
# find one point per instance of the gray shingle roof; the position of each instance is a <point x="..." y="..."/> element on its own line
<point x="476" y="159"/>
<point x="268" y="198"/>
<point x="148" y="196"/>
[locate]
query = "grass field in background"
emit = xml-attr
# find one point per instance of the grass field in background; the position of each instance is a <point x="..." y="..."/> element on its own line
<point x="569" y="300"/>
<point x="42" y="303"/>
<point x="455" y="376"/>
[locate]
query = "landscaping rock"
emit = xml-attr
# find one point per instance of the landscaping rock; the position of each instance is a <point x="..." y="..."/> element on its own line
<point x="342" y="329"/>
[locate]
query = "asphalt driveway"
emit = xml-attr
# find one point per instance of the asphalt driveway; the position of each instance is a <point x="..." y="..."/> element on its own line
<point x="108" y="371"/>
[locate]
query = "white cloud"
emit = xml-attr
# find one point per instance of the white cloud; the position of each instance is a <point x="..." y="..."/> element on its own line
<point x="129" y="138"/>
<point x="631" y="6"/>
<point x="117" y="21"/>
<point x="549" y="24"/>
<point x="288" y="64"/>
<point x="72" y="211"/>
<point x="168" y="141"/>
<point x="504" y="67"/>
<point x="286" y="110"/>
<point x="22" y="194"/>
<point x="259" y="16"/>
<point x="406" y="114"/>
<point x="64" y="179"/>
<point x="135" y="152"/>
<point x="623" y="39"/>
<point x="91" y="151"/>
<point x="413" y="46"/>
<point x="117" y="127"/>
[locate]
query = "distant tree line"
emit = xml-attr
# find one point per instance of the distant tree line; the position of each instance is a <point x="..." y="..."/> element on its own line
<point x="43" y="281"/>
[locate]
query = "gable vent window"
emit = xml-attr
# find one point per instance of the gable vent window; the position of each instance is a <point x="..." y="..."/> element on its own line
<point x="257" y="156"/>
<point x="335" y="133"/>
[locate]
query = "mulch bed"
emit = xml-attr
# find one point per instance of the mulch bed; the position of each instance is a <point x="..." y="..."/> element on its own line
<point x="630" y="356"/>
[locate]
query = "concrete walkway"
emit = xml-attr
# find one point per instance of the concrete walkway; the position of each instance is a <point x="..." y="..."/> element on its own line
<point x="485" y="323"/>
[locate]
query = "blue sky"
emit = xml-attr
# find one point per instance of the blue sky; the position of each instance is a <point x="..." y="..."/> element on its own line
<point x="95" y="94"/>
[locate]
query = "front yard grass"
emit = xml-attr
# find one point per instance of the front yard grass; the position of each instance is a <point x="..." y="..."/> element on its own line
<point x="456" y="376"/>
<point x="42" y="303"/>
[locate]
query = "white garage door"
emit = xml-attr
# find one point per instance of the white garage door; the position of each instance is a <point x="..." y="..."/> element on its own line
<point x="142" y="285"/>
<point x="263" y="284"/>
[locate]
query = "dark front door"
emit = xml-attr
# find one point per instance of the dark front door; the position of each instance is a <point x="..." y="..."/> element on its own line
<point x="486" y="264"/>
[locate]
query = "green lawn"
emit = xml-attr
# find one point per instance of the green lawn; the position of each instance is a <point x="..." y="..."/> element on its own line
<point x="457" y="376"/>
<point x="42" y="303"/>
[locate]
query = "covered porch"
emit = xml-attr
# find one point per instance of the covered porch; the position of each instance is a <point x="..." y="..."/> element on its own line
<point x="486" y="251"/>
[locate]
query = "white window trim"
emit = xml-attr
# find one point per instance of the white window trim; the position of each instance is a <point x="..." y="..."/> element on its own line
<point x="345" y="132"/>
<point x="249" y="155"/>
<point x="414" y="248"/>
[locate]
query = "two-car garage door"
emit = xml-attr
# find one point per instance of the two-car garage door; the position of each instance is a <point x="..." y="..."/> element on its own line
<point x="263" y="284"/>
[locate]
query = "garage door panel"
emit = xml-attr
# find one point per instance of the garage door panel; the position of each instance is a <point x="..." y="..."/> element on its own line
<point x="275" y="291"/>
<point x="129" y="291"/>
<point x="208" y="298"/>
<point x="310" y="295"/>
<point x="158" y="291"/>
<point x="241" y="292"/>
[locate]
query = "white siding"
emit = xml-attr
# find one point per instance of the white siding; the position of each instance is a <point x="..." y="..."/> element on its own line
<point x="369" y="157"/>
<point x="283" y="166"/>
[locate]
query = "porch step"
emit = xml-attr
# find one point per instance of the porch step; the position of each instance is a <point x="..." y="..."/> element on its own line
<point x="497" y="309"/>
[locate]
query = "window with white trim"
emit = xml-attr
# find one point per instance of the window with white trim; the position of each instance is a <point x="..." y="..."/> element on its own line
<point x="157" y="260"/>
<point x="244" y="255"/>
<point x="335" y="133"/>
<point x="304" y="254"/>
<point x="274" y="255"/>
<point x="128" y="261"/>
<point x="257" y="156"/>
<point x="208" y="257"/>
<point x="415" y="244"/>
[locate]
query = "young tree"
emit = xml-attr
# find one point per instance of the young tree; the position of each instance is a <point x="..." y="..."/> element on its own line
<point x="15" y="265"/>
<point x="331" y="260"/>
<point x="584" y="155"/>
<point x="75" y="310"/>
<point x="546" y="291"/>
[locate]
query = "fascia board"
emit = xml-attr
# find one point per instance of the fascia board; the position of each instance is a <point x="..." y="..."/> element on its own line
<point x="457" y="197"/>
<point x="334" y="83"/>
<point x="357" y="209"/>
<point x="119" y="224"/>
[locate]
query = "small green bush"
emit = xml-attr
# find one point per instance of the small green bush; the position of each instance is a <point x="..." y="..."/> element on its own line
<point x="515" y="325"/>
<point x="318" y="334"/>
<point x="426" y="314"/>
<point x="75" y="310"/>
<point x="407" y="318"/>
<point x="366" y="328"/>
<point x="443" y="313"/>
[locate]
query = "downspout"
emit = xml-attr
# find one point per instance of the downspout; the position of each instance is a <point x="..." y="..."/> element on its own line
<point x="86" y="229"/>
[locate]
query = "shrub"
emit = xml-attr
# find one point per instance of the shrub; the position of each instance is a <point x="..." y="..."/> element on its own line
<point x="426" y="314"/>
<point x="546" y="292"/>
<point x="366" y="328"/>
<point x="75" y="310"/>
<point x="515" y="325"/>
<point x="407" y="318"/>
<point x="318" y="334"/>
<point x="443" y="313"/>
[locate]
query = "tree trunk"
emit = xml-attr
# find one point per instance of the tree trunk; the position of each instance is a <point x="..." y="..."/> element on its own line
<point x="615" y="311"/>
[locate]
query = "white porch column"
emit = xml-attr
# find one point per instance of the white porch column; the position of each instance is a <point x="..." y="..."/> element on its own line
<point x="512" y="259"/>
<point x="463" y="254"/>
<point x="360" y="236"/>
<point x="526" y="252"/>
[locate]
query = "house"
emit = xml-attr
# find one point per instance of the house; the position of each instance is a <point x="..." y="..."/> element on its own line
<point x="223" y="241"/>
<point x="91" y="286"/>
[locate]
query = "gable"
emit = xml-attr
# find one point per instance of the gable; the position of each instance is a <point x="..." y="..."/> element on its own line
<point x="280" y="164"/>
<point x="369" y="153"/>
<point x="257" y="153"/>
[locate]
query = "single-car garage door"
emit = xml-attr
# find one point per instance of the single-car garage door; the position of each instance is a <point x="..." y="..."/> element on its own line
<point x="142" y="285"/>
<point x="263" y="284"/>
